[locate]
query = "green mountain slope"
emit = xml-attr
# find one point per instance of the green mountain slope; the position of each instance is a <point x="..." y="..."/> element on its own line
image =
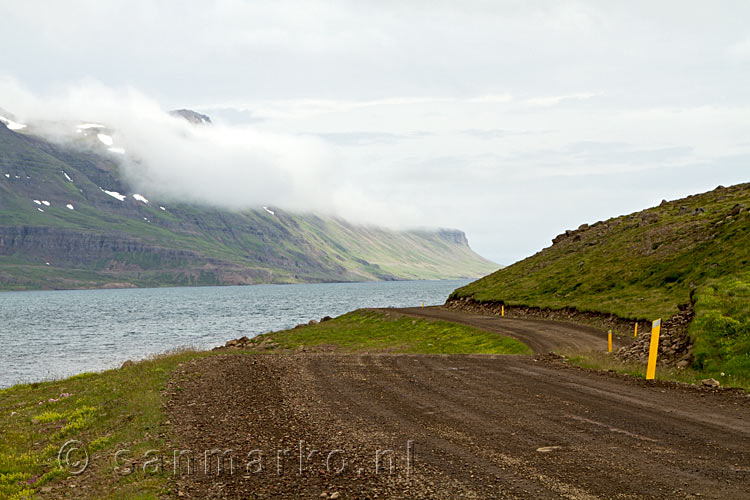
<point x="59" y="228"/>
<point x="646" y="264"/>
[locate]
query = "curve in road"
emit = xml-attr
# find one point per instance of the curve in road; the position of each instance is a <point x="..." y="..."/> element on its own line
<point x="539" y="335"/>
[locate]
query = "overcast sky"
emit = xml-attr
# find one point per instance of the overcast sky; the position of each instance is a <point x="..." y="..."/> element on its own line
<point x="510" y="120"/>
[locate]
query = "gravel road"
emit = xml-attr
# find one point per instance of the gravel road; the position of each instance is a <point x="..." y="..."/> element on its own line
<point x="461" y="426"/>
<point x="539" y="335"/>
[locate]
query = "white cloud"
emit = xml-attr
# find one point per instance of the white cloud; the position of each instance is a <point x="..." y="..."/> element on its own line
<point x="230" y="166"/>
<point x="740" y="52"/>
<point x="557" y="99"/>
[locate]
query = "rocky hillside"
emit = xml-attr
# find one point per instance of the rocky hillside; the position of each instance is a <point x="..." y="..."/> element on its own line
<point x="664" y="262"/>
<point x="68" y="220"/>
<point x="641" y="265"/>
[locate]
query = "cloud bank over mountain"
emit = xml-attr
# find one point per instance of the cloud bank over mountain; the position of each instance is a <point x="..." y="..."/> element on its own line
<point x="231" y="166"/>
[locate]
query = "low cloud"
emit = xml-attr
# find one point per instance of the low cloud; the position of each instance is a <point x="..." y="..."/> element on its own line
<point x="232" y="166"/>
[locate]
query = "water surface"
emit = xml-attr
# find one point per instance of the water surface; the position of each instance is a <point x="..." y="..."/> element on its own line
<point x="53" y="334"/>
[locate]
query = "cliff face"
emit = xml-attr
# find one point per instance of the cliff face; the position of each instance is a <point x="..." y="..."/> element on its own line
<point x="453" y="236"/>
<point x="68" y="220"/>
<point x="73" y="247"/>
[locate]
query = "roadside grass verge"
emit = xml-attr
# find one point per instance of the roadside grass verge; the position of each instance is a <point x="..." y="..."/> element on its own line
<point x="602" y="361"/>
<point x="107" y="411"/>
<point x="368" y="330"/>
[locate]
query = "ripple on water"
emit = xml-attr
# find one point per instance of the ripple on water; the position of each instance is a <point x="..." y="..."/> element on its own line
<point x="56" y="334"/>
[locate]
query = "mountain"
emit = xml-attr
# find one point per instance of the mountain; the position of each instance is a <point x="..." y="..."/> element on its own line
<point x="191" y="116"/>
<point x="69" y="220"/>
<point x="688" y="253"/>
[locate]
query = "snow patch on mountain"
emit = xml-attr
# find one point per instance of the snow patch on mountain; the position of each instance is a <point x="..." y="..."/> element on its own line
<point x="11" y="124"/>
<point x="105" y="139"/>
<point x="114" y="194"/>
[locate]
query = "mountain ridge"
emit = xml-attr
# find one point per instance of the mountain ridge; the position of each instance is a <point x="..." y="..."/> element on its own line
<point x="69" y="220"/>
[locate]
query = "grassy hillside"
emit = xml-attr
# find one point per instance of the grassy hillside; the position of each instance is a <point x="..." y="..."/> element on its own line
<point x="60" y="229"/>
<point x="643" y="266"/>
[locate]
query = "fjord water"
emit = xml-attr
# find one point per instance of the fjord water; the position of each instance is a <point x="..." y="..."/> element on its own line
<point x="53" y="334"/>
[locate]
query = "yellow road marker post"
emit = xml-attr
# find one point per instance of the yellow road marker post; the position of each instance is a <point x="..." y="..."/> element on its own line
<point x="423" y="303"/>
<point x="653" y="349"/>
<point x="635" y="333"/>
<point x="609" y="341"/>
<point x="502" y="310"/>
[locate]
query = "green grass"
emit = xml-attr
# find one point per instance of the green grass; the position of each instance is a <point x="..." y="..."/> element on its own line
<point x="367" y="330"/>
<point x="105" y="411"/>
<point x="645" y="265"/>
<point x="721" y="329"/>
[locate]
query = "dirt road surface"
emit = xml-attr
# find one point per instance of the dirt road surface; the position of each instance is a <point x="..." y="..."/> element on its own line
<point x="540" y="335"/>
<point x="461" y="426"/>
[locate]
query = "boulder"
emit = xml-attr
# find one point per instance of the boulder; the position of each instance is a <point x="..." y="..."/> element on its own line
<point x="557" y="239"/>
<point x="736" y="210"/>
<point x="649" y="217"/>
<point x="710" y="382"/>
